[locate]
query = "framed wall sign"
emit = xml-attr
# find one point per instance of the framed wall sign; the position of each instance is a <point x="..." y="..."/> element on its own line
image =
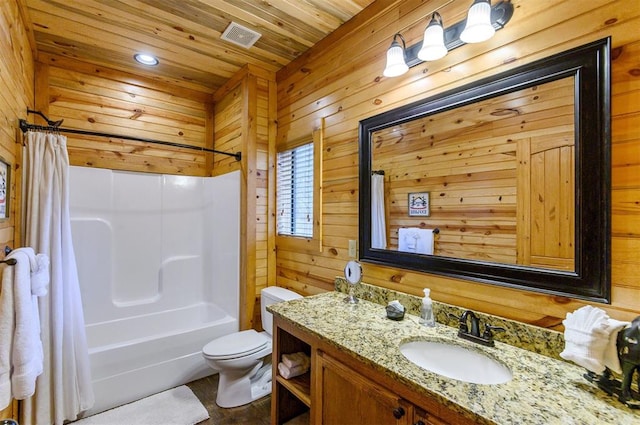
<point x="419" y="204"/>
<point x="5" y="175"/>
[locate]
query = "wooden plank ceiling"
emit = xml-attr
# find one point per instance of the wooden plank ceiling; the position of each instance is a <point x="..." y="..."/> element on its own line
<point x="183" y="34"/>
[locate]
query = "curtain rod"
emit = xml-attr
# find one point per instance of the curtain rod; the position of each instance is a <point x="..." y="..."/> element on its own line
<point x="54" y="126"/>
<point x="10" y="261"/>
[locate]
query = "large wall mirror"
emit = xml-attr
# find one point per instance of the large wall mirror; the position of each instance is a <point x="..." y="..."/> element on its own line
<point x="504" y="181"/>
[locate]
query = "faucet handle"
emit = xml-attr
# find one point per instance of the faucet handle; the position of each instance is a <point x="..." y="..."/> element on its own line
<point x="488" y="331"/>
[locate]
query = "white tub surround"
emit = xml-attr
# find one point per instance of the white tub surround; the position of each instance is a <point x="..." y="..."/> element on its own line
<point x="158" y="262"/>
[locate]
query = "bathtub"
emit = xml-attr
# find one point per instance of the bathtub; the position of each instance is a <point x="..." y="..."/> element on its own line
<point x="158" y="267"/>
<point x="138" y="356"/>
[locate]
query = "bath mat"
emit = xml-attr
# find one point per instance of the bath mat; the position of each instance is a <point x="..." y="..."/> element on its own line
<point x="177" y="406"/>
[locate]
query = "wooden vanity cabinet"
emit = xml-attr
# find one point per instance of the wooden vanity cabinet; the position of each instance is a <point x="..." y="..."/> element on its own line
<point x="340" y="390"/>
<point x="346" y="397"/>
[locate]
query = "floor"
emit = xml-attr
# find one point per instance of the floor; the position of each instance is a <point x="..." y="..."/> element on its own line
<point x="256" y="413"/>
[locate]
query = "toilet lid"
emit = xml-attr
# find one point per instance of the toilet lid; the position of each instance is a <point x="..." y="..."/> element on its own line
<point x="236" y="344"/>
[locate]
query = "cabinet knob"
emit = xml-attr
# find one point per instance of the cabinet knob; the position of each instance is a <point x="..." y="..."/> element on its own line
<point x="398" y="412"/>
<point x="419" y="423"/>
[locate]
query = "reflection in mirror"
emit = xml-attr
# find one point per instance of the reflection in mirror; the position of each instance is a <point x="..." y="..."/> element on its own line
<point x="503" y="181"/>
<point x="497" y="177"/>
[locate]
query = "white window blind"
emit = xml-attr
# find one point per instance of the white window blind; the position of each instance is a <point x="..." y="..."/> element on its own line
<point x="294" y="190"/>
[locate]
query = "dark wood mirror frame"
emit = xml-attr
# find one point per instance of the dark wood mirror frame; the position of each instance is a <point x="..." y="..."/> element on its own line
<point x="590" y="67"/>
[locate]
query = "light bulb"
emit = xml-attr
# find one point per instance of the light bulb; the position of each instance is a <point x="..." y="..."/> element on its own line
<point x="433" y="47"/>
<point x="478" y="27"/>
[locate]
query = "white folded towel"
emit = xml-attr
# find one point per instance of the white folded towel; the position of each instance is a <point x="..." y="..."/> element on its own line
<point x="611" y="359"/>
<point x="587" y="335"/>
<point x="290" y="372"/>
<point x="296" y="359"/>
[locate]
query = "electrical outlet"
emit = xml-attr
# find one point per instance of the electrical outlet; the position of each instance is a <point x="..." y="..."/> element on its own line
<point x="352" y="248"/>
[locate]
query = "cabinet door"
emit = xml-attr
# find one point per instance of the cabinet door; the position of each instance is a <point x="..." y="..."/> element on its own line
<point x="347" y="398"/>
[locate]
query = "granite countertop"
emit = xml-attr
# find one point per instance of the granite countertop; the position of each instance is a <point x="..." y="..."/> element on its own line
<point x="543" y="390"/>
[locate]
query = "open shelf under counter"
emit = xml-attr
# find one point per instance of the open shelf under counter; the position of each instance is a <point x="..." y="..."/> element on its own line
<point x="300" y="386"/>
<point x="303" y="419"/>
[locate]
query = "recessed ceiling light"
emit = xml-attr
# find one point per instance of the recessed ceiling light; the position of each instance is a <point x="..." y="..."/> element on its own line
<point x="146" y="59"/>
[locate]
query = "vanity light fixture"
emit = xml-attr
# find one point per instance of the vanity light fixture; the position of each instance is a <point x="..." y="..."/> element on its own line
<point x="472" y="30"/>
<point x="396" y="63"/>
<point x="478" y="27"/>
<point x="146" y="59"/>
<point x="433" y="47"/>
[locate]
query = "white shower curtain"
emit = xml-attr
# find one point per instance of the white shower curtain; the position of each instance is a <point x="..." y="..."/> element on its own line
<point x="64" y="389"/>
<point x="378" y="224"/>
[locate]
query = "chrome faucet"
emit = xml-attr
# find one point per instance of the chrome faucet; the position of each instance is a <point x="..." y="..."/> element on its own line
<point x="474" y="334"/>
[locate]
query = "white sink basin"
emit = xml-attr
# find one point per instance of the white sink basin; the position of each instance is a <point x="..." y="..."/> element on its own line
<point x="456" y="362"/>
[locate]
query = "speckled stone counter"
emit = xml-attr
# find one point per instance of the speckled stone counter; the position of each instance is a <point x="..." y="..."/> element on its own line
<point x="522" y="335"/>
<point x="543" y="390"/>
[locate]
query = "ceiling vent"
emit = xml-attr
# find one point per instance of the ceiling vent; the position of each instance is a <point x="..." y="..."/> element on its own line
<point x="242" y="36"/>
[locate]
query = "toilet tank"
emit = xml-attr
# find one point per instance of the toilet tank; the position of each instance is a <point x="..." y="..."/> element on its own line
<point x="272" y="295"/>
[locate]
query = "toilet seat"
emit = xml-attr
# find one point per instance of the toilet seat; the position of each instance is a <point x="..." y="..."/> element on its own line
<point x="236" y="345"/>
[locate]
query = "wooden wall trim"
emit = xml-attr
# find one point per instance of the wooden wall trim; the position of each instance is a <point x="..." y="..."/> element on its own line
<point x="253" y="131"/>
<point x="271" y="188"/>
<point x="261" y="73"/>
<point x="41" y="95"/>
<point x="238" y="77"/>
<point x="247" y="84"/>
<point x="231" y="84"/>
<point x="209" y="136"/>
<point x="248" y="210"/>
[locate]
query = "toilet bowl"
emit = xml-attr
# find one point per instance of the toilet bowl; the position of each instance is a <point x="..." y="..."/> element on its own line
<point x="240" y="357"/>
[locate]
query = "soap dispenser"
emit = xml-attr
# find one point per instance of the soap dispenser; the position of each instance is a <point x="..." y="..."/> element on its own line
<point x="426" y="310"/>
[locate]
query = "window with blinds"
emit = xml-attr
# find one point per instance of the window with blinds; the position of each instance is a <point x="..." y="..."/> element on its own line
<point x="294" y="192"/>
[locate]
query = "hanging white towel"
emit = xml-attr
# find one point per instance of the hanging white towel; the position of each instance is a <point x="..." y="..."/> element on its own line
<point x="21" y="359"/>
<point x="407" y="239"/>
<point x="378" y="222"/>
<point x="414" y="239"/>
<point x="7" y="325"/>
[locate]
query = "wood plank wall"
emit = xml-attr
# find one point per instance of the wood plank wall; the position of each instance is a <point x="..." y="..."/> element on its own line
<point x="245" y="112"/>
<point x="99" y="99"/>
<point x="340" y="79"/>
<point x="16" y="95"/>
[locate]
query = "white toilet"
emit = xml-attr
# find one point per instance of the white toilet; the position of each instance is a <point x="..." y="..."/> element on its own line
<point x="239" y="357"/>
